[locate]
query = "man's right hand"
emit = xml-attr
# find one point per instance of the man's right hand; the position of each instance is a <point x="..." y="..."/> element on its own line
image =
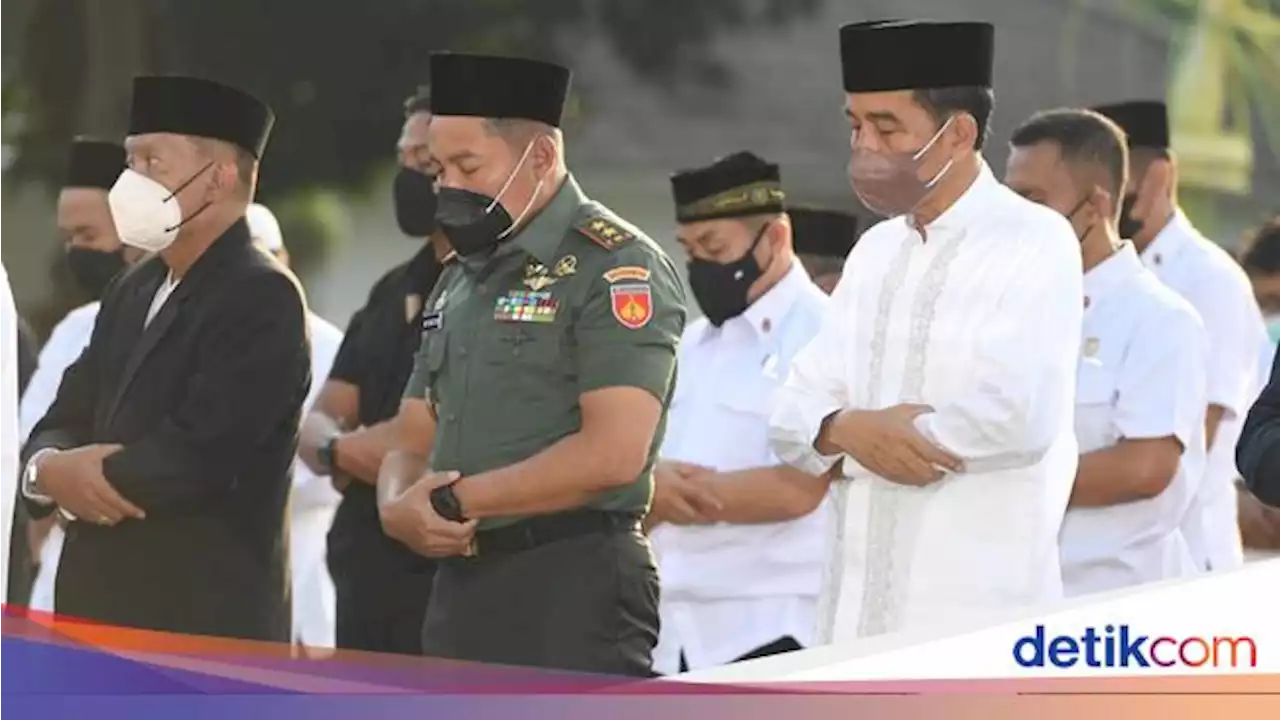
<point x="73" y="480"/>
<point x="887" y="443"/>
<point x="677" y="497"/>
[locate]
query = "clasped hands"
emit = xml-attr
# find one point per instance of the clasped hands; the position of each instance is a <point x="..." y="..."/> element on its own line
<point x="73" y="479"/>
<point x="410" y="518"/>
<point x="887" y="443"/>
<point x="683" y="494"/>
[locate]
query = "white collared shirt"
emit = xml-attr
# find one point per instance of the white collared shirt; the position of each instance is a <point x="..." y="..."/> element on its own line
<point x="1141" y="376"/>
<point x="1215" y="285"/>
<point x="729" y="589"/>
<point x="980" y="321"/>
<point x="67" y="341"/>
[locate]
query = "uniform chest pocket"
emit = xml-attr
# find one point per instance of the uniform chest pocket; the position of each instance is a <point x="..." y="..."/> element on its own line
<point x="522" y="344"/>
<point x="1096" y="395"/>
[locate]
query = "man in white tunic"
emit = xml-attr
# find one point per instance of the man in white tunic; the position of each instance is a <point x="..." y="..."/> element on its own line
<point x="734" y="588"/>
<point x="9" y="442"/>
<point x="1215" y="285"/>
<point x="95" y="256"/>
<point x="1140" y="389"/>
<point x="941" y="384"/>
<point x="313" y="501"/>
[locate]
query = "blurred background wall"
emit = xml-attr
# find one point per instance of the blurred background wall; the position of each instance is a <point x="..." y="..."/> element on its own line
<point x="659" y="85"/>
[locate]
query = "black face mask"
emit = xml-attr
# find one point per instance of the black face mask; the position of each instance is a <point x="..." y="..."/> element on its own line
<point x="721" y="288"/>
<point x="414" y="195"/>
<point x="473" y="223"/>
<point x="1128" y="226"/>
<point x="93" y="270"/>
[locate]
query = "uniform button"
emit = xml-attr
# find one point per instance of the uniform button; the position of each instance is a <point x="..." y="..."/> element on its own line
<point x="451" y="417"/>
<point x="1086" y="301"/>
<point x="462" y="351"/>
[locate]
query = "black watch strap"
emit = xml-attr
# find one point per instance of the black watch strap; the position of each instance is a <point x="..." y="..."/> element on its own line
<point x="327" y="454"/>
<point x="445" y="503"/>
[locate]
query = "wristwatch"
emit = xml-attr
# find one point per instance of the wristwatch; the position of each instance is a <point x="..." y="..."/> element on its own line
<point x="327" y="454"/>
<point x="445" y="502"/>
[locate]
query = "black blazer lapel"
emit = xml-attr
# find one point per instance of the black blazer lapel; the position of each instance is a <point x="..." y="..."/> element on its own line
<point x="151" y="334"/>
<point x="204" y="269"/>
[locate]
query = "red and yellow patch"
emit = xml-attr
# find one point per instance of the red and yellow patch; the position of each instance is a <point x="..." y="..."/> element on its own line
<point x="632" y="304"/>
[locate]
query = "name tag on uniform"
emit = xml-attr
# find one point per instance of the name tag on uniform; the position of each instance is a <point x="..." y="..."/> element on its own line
<point x="432" y="322"/>
<point x="526" y="306"/>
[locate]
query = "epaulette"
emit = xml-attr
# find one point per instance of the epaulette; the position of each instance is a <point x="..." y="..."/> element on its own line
<point x="604" y="232"/>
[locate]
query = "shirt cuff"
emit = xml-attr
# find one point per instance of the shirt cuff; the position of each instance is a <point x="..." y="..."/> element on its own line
<point x="818" y="463"/>
<point x="28" y="488"/>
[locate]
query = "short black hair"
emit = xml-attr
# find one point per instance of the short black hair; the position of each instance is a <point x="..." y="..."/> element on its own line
<point x="941" y="103"/>
<point x="419" y="101"/>
<point x="1262" y="252"/>
<point x="1082" y="136"/>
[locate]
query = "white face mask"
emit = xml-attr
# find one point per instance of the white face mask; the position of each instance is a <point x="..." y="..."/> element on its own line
<point x="147" y="215"/>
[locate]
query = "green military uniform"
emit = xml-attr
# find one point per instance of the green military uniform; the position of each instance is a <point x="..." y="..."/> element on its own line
<point x="578" y="300"/>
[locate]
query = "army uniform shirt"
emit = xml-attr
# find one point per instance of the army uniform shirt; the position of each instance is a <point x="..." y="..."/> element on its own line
<point x="578" y="300"/>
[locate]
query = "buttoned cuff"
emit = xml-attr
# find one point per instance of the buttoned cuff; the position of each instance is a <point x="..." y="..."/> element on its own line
<point x="819" y="464"/>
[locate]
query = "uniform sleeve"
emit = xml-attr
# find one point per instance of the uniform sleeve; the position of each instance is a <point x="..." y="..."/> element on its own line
<point x="1162" y="385"/>
<point x="253" y="372"/>
<point x="349" y="363"/>
<point x="815" y="385"/>
<point x="628" y="328"/>
<point x="1026" y="361"/>
<point x="1233" y="323"/>
<point x="58" y="409"/>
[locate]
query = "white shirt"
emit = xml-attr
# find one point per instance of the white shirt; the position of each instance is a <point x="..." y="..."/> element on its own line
<point x="1141" y="376"/>
<point x="981" y="322"/>
<point x="729" y="589"/>
<point x="1219" y="290"/>
<point x="69" y="339"/>
<point x="9" y="440"/>
<point x="311" y="507"/>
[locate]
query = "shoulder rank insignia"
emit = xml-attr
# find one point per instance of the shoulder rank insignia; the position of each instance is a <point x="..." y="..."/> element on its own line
<point x="604" y="232"/>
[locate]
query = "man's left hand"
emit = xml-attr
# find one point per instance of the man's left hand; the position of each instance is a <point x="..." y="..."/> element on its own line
<point x="1259" y="524"/>
<point x="412" y="520"/>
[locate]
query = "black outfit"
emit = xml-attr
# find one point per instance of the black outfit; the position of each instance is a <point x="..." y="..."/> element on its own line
<point x="382" y="587"/>
<point x="777" y="647"/>
<point x="1258" y="452"/>
<point x="22" y="568"/>
<point x="206" y="400"/>
<point x="600" y="618"/>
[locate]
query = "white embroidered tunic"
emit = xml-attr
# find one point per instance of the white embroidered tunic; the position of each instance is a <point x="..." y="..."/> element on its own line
<point x="982" y="322"/>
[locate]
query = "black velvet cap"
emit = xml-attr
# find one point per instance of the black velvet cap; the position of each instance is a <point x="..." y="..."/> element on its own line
<point x="883" y="55"/>
<point x="94" y="164"/>
<point x="200" y="108"/>
<point x="489" y="86"/>
<point x="827" y="233"/>
<point x="1146" y="122"/>
<point x="736" y="185"/>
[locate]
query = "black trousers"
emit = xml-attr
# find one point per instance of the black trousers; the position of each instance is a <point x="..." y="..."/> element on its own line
<point x="380" y="606"/>
<point x="777" y="647"/>
<point x="587" y="603"/>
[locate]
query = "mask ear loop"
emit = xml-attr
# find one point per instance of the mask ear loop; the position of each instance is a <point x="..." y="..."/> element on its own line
<point x="173" y="195"/>
<point x="536" y="189"/>
<point x="511" y="178"/>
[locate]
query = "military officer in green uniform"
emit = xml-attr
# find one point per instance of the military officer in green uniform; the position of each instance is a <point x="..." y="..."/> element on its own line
<point x="539" y="395"/>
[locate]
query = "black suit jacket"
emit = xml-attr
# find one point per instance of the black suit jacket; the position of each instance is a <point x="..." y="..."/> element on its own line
<point x="206" y="401"/>
<point x="1258" y="452"/>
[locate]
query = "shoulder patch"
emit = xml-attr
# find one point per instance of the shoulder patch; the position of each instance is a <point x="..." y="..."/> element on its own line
<point x="627" y="272"/>
<point x="604" y="232"/>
